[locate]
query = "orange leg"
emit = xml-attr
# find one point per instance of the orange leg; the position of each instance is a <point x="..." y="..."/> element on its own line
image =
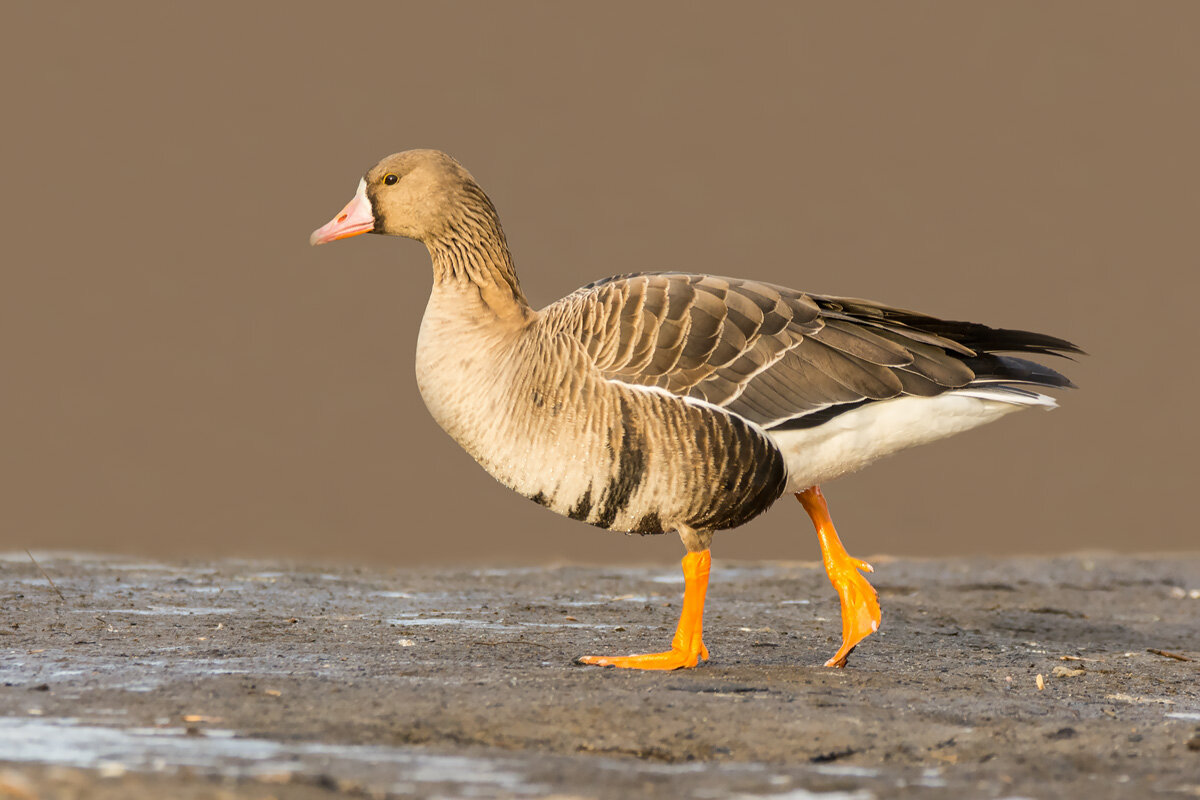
<point x="687" y="648"/>
<point x="860" y="606"/>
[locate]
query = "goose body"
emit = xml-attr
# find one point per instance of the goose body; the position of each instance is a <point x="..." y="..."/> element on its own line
<point x="528" y="403"/>
<point x="658" y="402"/>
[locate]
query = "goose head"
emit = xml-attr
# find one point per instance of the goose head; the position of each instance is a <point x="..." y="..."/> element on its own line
<point x="418" y="194"/>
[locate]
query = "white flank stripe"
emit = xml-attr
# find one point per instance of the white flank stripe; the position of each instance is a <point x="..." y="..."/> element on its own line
<point x="851" y="441"/>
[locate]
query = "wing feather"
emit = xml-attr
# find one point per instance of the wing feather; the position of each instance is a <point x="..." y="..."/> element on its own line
<point x="773" y="355"/>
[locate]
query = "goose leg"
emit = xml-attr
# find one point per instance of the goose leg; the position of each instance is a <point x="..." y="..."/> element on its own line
<point x="860" y="605"/>
<point x="687" y="648"/>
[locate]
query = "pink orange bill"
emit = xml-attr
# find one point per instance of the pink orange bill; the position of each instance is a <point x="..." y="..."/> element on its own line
<point x="352" y="220"/>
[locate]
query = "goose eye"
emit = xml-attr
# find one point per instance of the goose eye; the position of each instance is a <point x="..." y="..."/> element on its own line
<point x="390" y="179"/>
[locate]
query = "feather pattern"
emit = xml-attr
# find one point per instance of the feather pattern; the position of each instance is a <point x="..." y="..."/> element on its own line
<point x="773" y="355"/>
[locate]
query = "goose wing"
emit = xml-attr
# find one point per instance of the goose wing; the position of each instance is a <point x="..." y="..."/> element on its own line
<point x="780" y="357"/>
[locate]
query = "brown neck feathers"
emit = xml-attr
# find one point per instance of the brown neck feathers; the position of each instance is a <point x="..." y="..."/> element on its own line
<point x="471" y="249"/>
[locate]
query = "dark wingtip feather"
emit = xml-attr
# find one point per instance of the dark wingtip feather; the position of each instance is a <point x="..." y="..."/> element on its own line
<point x="984" y="339"/>
<point x="971" y="335"/>
<point x="992" y="368"/>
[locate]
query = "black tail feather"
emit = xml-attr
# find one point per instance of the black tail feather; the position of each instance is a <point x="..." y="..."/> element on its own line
<point x="972" y="335"/>
<point x="983" y="339"/>
<point x="992" y="368"/>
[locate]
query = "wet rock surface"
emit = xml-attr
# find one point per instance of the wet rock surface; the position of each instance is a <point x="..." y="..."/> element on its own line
<point x="248" y="680"/>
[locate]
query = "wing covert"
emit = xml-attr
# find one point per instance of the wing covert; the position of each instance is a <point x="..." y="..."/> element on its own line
<point x="767" y="353"/>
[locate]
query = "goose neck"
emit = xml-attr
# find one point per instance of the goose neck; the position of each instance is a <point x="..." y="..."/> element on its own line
<point x="471" y="254"/>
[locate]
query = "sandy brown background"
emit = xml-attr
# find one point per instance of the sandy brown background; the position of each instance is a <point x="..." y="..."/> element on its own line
<point x="183" y="374"/>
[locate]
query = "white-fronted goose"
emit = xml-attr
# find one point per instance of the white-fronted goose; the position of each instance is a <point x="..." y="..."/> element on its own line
<point x="659" y="402"/>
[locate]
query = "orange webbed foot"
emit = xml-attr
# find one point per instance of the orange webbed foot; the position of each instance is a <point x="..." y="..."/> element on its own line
<point x="687" y="648"/>
<point x="671" y="659"/>
<point x="860" y="604"/>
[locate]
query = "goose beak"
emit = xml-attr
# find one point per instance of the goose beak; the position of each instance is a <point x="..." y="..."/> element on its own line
<point x="357" y="217"/>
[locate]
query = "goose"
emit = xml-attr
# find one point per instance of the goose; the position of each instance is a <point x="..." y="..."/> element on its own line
<point x="666" y="401"/>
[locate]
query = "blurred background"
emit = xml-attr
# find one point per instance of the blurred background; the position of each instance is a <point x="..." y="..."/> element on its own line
<point x="184" y="376"/>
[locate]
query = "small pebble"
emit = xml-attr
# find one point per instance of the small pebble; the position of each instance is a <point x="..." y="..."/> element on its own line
<point x="1062" y="733"/>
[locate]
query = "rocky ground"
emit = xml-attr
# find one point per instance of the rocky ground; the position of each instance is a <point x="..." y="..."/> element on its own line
<point x="998" y="678"/>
